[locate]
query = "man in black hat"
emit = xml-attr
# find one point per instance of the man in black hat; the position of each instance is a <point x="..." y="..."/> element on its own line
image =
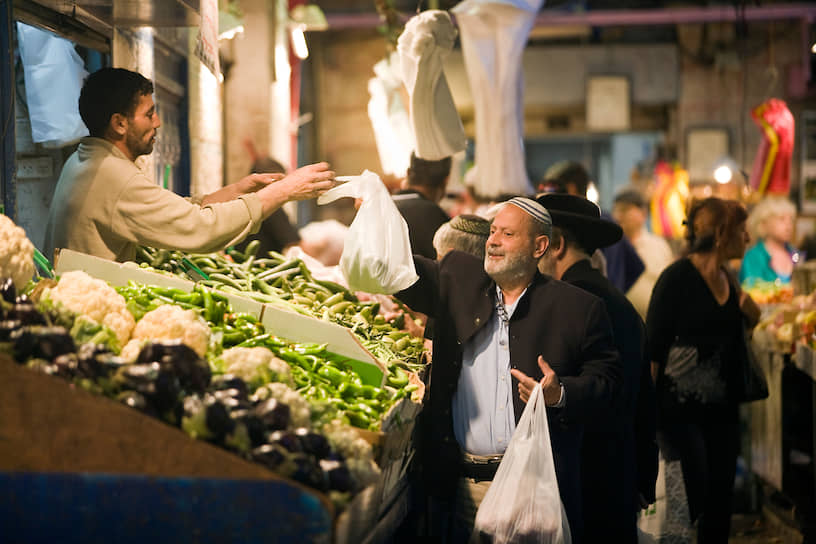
<point x="619" y="451"/>
<point x="622" y="264"/>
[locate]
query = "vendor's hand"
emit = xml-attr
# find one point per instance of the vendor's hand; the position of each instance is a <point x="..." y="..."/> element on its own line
<point x="550" y="384"/>
<point x="309" y="181"/>
<point x="256" y="182"/>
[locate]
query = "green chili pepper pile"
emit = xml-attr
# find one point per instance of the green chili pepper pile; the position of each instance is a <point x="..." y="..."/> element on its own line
<point x="329" y="382"/>
<point x="288" y="283"/>
<point x="321" y="377"/>
<point x="229" y="329"/>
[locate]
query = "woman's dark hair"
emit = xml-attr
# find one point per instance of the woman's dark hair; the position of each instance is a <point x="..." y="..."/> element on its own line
<point x="108" y="91"/>
<point x="709" y="217"/>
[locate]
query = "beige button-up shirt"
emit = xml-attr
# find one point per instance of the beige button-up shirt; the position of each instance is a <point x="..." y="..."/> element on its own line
<point x="104" y="205"/>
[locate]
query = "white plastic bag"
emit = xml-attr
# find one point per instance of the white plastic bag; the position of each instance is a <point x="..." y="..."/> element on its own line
<point x="667" y="520"/>
<point x="523" y="504"/>
<point x="377" y="252"/>
<point x="53" y="78"/>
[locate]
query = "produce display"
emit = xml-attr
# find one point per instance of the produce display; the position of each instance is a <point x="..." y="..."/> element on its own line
<point x="188" y="359"/>
<point x="16" y="252"/>
<point x="769" y="292"/>
<point x="785" y="325"/>
<point x="288" y="283"/>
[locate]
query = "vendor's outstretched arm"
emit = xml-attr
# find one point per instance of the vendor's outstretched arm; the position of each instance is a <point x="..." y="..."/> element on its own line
<point x="249" y="184"/>
<point x="274" y="190"/>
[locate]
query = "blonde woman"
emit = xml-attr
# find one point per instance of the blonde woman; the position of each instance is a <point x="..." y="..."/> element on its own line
<point x="772" y="257"/>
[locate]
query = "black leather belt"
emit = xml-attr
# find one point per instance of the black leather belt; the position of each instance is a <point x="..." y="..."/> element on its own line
<point x="480" y="467"/>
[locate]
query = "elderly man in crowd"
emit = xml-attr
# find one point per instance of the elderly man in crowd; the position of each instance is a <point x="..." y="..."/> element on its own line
<point x="619" y="453"/>
<point x="501" y="327"/>
<point x="464" y="232"/>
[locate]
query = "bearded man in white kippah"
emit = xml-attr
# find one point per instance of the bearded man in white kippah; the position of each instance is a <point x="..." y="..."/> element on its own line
<point x="502" y="327"/>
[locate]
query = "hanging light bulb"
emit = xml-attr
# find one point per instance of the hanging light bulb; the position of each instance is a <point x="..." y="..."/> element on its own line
<point x="723" y="174"/>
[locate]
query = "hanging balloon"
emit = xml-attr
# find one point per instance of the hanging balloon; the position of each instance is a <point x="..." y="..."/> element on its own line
<point x="772" y="164"/>
<point x="668" y="207"/>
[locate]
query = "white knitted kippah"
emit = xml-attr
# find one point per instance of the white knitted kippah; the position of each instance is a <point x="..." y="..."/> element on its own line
<point x="532" y="208"/>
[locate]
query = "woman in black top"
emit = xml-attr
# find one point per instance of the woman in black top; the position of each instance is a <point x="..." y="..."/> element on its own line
<point x="693" y="326"/>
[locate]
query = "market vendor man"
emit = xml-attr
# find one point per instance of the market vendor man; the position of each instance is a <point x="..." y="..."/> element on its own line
<point x="502" y="327"/>
<point x="106" y="206"/>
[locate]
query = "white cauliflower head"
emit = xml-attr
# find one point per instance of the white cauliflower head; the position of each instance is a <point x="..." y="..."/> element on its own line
<point x="93" y="298"/>
<point x="16" y="253"/>
<point x="358" y="452"/>
<point x="132" y="349"/>
<point x="256" y="366"/>
<point x="169" y="322"/>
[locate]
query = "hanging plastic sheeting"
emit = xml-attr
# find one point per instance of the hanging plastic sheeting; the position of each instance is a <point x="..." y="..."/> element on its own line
<point x="494" y="34"/>
<point x="668" y="206"/>
<point x="54" y="73"/>
<point x="427" y="39"/>
<point x="772" y="164"/>
<point x="389" y="119"/>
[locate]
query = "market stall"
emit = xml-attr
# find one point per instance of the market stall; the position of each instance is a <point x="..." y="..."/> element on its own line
<point x="782" y="426"/>
<point x="258" y="397"/>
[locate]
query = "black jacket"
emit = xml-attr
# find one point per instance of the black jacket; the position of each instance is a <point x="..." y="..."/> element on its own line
<point x="619" y="454"/>
<point x="423" y="218"/>
<point x="566" y="325"/>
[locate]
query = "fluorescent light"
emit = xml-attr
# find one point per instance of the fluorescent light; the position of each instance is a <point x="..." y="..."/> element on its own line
<point x="299" y="41"/>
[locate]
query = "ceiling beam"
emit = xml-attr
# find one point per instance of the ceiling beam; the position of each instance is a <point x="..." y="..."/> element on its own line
<point x="621" y="17"/>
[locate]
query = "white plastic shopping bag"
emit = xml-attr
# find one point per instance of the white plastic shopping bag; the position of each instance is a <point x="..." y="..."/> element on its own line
<point x="667" y="520"/>
<point x="522" y="504"/>
<point x="54" y="72"/>
<point x="377" y="253"/>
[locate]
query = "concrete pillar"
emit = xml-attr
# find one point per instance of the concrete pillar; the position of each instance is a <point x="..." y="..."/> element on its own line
<point x="133" y="49"/>
<point x="206" y="141"/>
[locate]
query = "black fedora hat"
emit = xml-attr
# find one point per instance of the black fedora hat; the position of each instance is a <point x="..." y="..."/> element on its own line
<point x="582" y="218"/>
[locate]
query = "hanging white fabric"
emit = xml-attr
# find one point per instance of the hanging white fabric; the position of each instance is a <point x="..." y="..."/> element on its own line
<point x="389" y="118"/>
<point x="54" y="73"/>
<point x="427" y="39"/>
<point x="494" y="35"/>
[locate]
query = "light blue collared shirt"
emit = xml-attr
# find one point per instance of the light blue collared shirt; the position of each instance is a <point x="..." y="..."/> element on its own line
<point x="483" y="417"/>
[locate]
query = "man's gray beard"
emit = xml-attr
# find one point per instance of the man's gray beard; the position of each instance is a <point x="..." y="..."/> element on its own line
<point x="520" y="269"/>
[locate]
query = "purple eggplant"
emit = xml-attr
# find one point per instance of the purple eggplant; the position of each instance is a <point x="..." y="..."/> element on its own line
<point x="275" y="415"/>
<point x="313" y="443"/>
<point x="270" y="455"/>
<point x="287" y="440"/>
<point x="7" y="327"/>
<point x="193" y="372"/>
<point x="39" y="342"/>
<point x="338" y="474"/>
